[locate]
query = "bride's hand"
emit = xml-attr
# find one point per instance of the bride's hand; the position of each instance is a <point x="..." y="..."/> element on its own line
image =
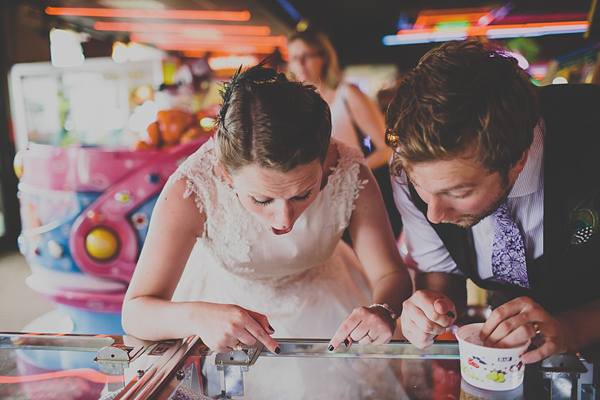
<point x="366" y="325"/>
<point x="226" y="326"/>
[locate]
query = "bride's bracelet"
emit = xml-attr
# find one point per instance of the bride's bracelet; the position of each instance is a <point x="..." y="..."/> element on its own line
<point x="388" y="309"/>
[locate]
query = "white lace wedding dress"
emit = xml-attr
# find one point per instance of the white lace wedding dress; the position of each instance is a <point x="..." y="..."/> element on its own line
<point x="306" y="282"/>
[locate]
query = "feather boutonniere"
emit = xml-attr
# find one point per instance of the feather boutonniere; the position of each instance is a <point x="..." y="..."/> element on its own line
<point x="583" y="223"/>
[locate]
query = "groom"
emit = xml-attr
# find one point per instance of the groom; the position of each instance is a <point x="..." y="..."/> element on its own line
<point x="498" y="181"/>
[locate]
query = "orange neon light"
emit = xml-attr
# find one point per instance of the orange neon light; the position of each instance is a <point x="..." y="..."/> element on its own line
<point x="483" y="30"/>
<point x="194" y="53"/>
<point x="258" y="30"/>
<point x="202" y="54"/>
<point x="233" y="48"/>
<point x="471" y="15"/>
<point x="169" y="38"/>
<point x="86" y="373"/>
<point x="155" y="14"/>
<point x="451" y="11"/>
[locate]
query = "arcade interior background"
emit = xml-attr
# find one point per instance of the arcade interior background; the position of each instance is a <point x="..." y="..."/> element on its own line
<point x="101" y="99"/>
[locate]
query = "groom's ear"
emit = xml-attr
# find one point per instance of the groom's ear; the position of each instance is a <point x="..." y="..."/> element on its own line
<point x="517" y="167"/>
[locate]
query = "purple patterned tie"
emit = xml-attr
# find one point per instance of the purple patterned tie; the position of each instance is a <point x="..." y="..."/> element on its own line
<point x="508" y="252"/>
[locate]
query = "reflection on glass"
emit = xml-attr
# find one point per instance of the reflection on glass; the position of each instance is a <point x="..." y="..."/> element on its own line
<point x="45" y="366"/>
<point x="51" y="374"/>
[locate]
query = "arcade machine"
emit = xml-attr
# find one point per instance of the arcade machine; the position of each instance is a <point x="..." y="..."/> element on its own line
<point x="87" y="194"/>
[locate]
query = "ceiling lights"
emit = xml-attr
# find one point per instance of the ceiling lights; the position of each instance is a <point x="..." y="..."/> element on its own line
<point x="181" y="36"/>
<point x="154" y="14"/>
<point x="260" y="30"/>
<point x="458" y="24"/>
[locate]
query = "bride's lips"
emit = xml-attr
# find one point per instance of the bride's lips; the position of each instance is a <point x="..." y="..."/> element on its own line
<point x="281" y="231"/>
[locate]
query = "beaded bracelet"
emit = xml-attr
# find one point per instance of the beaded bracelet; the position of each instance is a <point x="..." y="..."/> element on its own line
<point x="388" y="309"/>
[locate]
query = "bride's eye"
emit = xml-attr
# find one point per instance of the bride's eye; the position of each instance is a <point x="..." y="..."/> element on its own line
<point x="261" y="203"/>
<point x="303" y="198"/>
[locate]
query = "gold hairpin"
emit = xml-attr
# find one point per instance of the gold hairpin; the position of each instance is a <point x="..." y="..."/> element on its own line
<point x="390" y="137"/>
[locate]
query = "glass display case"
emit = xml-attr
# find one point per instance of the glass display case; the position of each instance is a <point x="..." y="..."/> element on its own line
<point x="47" y="366"/>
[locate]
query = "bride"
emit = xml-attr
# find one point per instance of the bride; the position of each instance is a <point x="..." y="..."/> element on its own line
<point x="244" y="241"/>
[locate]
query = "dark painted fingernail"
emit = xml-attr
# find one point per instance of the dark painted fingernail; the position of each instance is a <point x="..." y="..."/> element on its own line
<point x="271" y="328"/>
<point x="278" y="350"/>
<point x="330" y="348"/>
<point x="450" y="314"/>
<point x="347" y="342"/>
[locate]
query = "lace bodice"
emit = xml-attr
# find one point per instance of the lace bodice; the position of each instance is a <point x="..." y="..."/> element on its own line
<point x="246" y="248"/>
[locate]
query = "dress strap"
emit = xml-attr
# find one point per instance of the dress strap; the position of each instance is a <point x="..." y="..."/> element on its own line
<point x="344" y="182"/>
<point x="364" y="141"/>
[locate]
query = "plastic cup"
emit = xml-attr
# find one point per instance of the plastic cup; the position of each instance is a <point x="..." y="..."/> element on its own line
<point x="489" y="368"/>
<point x="470" y="392"/>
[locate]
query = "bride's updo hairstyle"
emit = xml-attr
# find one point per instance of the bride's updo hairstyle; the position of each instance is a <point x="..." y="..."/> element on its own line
<point x="271" y="121"/>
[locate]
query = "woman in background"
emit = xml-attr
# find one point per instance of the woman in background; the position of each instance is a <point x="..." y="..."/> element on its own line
<point x="356" y="120"/>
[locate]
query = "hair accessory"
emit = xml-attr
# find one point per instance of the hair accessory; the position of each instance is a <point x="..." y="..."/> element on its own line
<point x="388" y="309"/>
<point x="255" y="74"/>
<point x="391" y="138"/>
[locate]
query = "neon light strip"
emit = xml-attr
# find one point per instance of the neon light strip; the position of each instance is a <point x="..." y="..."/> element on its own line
<point x="427" y="20"/>
<point x="543" y="18"/>
<point x="259" y="30"/>
<point x="292" y="12"/>
<point x="194" y="53"/>
<point x="526" y="30"/>
<point x="221" y="48"/>
<point x="414" y="36"/>
<point x="156" y="14"/>
<point x="170" y="38"/>
<point x="424" y="36"/>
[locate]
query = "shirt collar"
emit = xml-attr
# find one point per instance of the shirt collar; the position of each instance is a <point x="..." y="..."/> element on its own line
<point x="530" y="179"/>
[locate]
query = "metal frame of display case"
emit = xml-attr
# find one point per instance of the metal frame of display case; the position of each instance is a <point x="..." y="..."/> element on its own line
<point x="173" y="373"/>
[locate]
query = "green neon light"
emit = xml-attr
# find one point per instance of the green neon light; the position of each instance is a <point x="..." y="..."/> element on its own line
<point x="452" y="25"/>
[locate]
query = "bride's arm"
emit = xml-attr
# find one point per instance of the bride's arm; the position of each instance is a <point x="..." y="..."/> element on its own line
<point x="374" y="244"/>
<point x="174" y="226"/>
<point x="149" y="313"/>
